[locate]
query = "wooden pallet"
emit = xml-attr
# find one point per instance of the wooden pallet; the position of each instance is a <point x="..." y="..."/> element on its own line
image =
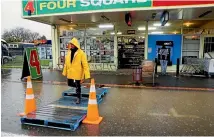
<point x="85" y="92"/>
<point x="70" y="101"/>
<point x="64" y="113"/>
<point x="55" y="117"/>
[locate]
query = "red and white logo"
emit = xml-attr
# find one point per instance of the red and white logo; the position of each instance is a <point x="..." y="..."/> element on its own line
<point x="30" y="6"/>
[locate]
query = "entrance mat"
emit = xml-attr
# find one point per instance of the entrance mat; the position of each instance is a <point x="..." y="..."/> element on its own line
<point x="55" y="117"/>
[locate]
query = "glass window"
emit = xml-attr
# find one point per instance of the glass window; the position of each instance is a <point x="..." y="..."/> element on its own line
<point x="209" y="44"/>
<point x="98" y="43"/>
<point x="64" y="40"/>
<point x="191" y="47"/>
<point x="130" y="51"/>
<point x="100" y="49"/>
<point x="99" y="31"/>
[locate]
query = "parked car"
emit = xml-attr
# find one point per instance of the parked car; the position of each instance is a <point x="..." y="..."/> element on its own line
<point x="6" y="56"/>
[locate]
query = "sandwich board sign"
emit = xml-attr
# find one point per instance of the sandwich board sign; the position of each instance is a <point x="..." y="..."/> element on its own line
<point x="31" y="65"/>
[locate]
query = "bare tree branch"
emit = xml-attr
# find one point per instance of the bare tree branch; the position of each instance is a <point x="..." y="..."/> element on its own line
<point x="20" y="34"/>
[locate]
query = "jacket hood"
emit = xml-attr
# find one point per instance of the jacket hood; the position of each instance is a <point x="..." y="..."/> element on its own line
<point x="75" y="42"/>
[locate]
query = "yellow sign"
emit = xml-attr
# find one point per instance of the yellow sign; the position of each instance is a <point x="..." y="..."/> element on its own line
<point x="60" y="4"/>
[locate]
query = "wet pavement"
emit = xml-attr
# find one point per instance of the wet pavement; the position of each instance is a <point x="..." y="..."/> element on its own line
<point x="126" y="111"/>
<point x="125" y="78"/>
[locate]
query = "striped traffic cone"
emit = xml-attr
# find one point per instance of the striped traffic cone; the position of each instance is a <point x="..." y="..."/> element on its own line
<point x="92" y="112"/>
<point x="30" y="103"/>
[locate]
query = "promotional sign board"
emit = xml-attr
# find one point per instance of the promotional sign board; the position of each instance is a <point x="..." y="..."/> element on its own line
<point x="44" y="7"/>
<point x="60" y="7"/>
<point x="159" y="3"/>
<point x="31" y="65"/>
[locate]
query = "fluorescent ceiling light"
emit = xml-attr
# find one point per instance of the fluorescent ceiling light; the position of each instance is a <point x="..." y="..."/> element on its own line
<point x="92" y="28"/>
<point x="157" y="32"/>
<point x="188" y="24"/>
<point x="158" y="24"/>
<point x="175" y="32"/>
<point x="150" y="28"/>
<point x="118" y="33"/>
<point x="106" y="26"/>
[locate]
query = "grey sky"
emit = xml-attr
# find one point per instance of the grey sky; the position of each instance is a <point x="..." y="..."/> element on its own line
<point x="12" y="18"/>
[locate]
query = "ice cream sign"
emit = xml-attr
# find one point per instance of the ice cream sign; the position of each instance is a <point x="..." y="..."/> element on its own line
<point x="43" y="7"/>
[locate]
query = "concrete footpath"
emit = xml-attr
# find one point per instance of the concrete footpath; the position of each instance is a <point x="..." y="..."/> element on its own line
<point x="124" y="79"/>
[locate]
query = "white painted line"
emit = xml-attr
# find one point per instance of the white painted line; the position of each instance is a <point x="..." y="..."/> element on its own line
<point x="158" y="114"/>
<point x="173" y="113"/>
<point x="3" y="134"/>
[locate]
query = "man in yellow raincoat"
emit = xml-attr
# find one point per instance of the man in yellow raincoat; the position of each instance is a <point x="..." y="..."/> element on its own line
<point x="76" y="67"/>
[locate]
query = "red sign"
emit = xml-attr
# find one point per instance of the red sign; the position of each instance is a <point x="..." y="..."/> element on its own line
<point x="30" y="6"/>
<point x="34" y="61"/>
<point x="157" y="3"/>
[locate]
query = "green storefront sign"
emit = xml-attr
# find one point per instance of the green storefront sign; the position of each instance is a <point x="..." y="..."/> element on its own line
<point x="46" y="7"/>
<point x="31" y="65"/>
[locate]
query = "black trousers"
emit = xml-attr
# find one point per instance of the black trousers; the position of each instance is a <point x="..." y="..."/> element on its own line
<point x="77" y="85"/>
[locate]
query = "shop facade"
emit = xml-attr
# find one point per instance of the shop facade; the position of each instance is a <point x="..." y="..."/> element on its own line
<point x="109" y="42"/>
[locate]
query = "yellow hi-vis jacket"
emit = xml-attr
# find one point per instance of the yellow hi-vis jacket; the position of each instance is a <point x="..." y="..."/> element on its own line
<point x="78" y="69"/>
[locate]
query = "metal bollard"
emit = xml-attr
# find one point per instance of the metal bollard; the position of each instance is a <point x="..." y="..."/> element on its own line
<point x="177" y="67"/>
<point x="156" y="65"/>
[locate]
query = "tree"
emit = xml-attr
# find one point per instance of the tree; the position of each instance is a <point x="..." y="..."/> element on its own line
<point x="9" y="37"/>
<point x="20" y="34"/>
<point x="43" y="38"/>
<point x="34" y="36"/>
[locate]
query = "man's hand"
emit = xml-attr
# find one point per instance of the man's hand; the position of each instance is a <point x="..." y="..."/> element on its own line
<point x="82" y="81"/>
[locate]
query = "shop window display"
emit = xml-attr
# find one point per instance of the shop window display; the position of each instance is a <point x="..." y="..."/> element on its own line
<point x="191" y="47"/>
<point x="100" y="49"/>
<point x="66" y="36"/>
<point x="130" y="51"/>
<point x="198" y="31"/>
<point x="209" y="47"/>
<point x="99" y="31"/>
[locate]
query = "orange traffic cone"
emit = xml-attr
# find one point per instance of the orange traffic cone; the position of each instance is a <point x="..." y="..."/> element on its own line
<point x="92" y="113"/>
<point x="30" y="103"/>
